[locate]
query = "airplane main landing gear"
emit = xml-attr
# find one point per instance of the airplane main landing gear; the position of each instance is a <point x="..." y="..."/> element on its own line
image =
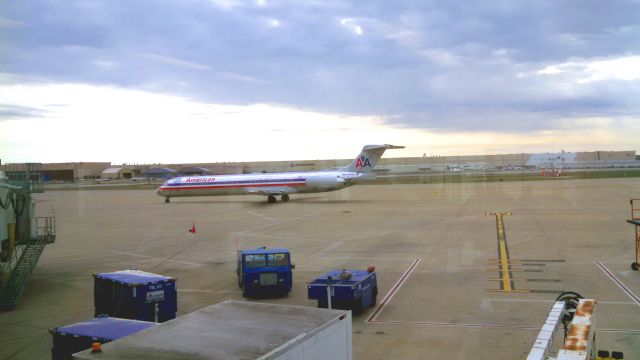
<point x="285" y="197"/>
<point x="166" y="200"/>
<point x="271" y="199"/>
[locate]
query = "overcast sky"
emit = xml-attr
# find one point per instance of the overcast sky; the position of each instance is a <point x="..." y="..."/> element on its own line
<point x="224" y="80"/>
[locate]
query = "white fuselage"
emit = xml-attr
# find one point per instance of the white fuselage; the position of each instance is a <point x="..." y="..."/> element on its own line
<point x="258" y="184"/>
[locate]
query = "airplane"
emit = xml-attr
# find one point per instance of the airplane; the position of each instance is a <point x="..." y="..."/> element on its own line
<point x="277" y="184"/>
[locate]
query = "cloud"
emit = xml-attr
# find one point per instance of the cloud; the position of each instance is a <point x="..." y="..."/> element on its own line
<point x="479" y="66"/>
<point x="208" y="132"/>
<point x="625" y="68"/>
<point x="175" y="62"/>
<point x="238" y="77"/>
<point x="441" y="57"/>
<point x="5" y="22"/>
<point x="8" y="112"/>
<point x="352" y="25"/>
<point x="197" y="67"/>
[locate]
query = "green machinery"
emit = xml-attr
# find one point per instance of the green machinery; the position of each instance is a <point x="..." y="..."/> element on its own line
<point x="23" y="236"/>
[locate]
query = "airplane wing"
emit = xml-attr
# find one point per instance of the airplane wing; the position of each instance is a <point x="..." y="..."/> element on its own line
<point x="266" y="191"/>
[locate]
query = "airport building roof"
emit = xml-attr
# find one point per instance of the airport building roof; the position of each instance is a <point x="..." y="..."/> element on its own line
<point x="113" y="170"/>
<point x="194" y="170"/>
<point x="162" y="170"/>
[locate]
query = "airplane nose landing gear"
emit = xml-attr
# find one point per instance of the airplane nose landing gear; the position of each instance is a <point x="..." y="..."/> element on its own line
<point x="166" y="200"/>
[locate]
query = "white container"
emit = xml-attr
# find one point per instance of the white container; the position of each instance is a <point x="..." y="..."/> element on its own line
<point x="240" y="330"/>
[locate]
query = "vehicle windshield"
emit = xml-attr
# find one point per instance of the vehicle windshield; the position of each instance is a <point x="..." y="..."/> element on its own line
<point x="278" y="259"/>
<point x="258" y="260"/>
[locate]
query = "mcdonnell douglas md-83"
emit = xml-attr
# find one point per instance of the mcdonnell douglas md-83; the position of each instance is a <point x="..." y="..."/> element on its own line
<point x="278" y="184"/>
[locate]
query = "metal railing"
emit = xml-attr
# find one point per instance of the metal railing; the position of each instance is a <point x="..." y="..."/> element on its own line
<point x="46" y="227"/>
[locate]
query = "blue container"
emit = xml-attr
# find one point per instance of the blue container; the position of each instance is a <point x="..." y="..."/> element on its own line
<point x="70" y="339"/>
<point x="135" y="294"/>
<point x="265" y="272"/>
<point x="353" y="290"/>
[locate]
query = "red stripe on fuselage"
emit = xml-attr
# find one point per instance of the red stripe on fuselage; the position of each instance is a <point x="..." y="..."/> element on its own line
<point x="226" y="186"/>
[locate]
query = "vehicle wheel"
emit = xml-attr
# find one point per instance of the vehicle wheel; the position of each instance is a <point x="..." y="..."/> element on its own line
<point x="166" y="200"/>
<point x="271" y="199"/>
<point x="357" y="306"/>
<point x="374" y="296"/>
<point x="285" y="197"/>
<point x="635" y="266"/>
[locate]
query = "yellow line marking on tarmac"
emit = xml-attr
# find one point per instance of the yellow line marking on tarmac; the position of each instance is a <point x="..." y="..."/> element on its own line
<point x="504" y="263"/>
<point x="512" y="290"/>
<point x="501" y="279"/>
<point x="506" y="276"/>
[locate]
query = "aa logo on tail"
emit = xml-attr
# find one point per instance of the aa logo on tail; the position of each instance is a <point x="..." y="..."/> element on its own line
<point x="362" y="162"/>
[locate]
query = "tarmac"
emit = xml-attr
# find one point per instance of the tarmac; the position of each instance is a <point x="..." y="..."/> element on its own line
<point x="437" y="249"/>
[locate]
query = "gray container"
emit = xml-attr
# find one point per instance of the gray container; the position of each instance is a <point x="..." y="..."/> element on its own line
<point x="240" y="330"/>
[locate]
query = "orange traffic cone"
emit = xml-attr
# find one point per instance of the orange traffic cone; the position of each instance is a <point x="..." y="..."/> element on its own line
<point x="193" y="229"/>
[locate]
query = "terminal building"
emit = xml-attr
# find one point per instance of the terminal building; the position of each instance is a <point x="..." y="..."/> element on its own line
<point x="82" y="171"/>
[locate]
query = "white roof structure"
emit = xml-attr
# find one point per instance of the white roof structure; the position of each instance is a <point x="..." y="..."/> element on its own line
<point x="237" y="330"/>
<point x="113" y="170"/>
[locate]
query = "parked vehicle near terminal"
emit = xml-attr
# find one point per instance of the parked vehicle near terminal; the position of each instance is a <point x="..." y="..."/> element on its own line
<point x="353" y="290"/>
<point x="265" y="272"/>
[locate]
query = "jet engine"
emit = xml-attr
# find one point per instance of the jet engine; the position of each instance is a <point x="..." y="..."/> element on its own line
<point x="325" y="181"/>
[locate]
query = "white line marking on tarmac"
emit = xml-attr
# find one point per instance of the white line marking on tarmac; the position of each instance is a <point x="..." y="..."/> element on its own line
<point x="288" y="237"/>
<point x="370" y="258"/>
<point x="436" y="323"/>
<point x="327" y="249"/>
<point x="393" y="290"/>
<point x="617" y="281"/>
<point x="193" y="237"/>
<point x="208" y="291"/>
<point x="551" y="301"/>
<point x="626" y="331"/>
<point x="488" y="326"/>
<point x="262" y="216"/>
<point x="194" y="241"/>
<point x="278" y="223"/>
<point x="154" y="257"/>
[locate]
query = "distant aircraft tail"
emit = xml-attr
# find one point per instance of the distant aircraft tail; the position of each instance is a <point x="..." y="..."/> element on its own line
<point x="368" y="158"/>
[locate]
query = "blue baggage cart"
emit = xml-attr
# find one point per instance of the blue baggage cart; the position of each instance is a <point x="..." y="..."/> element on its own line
<point x="353" y="290"/>
<point x="70" y="339"/>
<point x="136" y="295"/>
<point x="264" y="272"/>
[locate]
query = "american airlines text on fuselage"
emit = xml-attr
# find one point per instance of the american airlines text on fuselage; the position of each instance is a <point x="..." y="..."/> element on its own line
<point x="199" y="180"/>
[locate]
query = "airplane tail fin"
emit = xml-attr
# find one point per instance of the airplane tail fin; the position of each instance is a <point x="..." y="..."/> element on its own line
<point x="368" y="158"/>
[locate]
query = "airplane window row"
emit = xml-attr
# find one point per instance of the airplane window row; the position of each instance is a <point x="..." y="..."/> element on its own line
<point x="248" y="182"/>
